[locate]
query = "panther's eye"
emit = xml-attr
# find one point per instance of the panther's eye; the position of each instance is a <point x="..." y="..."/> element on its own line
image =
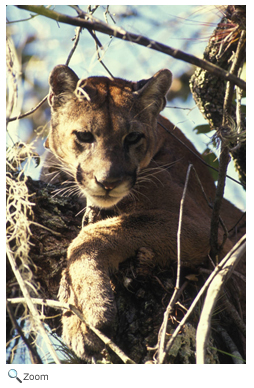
<point x="84" y="137"/>
<point x="133" y="138"/>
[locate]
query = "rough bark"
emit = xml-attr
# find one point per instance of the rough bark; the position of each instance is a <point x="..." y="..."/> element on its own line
<point x="209" y="91"/>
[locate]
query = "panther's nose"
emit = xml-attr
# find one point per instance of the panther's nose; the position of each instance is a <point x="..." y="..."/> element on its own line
<point x="108" y="184"/>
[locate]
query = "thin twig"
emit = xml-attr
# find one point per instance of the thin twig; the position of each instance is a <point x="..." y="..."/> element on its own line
<point x="31" y="306"/>
<point x="163" y="329"/>
<point x="98" y="44"/>
<point x="21" y="20"/>
<point x="35" y="358"/>
<point x="120" y="33"/>
<point x="215" y="287"/>
<point x="107" y="12"/>
<point x="76" y="40"/>
<point x="97" y="41"/>
<point x="21" y="116"/>
<point x="48" y="229"/>
<point x="45" y="302"/>
<point x="198" y="156"/>
<point x="180" y="226"/>
<point x="103" y="337"/>
<point x="162" y="332"/>
<point x="215" y="219"/>
<point x="197" y="298"/>
<point x="62" y="305"/>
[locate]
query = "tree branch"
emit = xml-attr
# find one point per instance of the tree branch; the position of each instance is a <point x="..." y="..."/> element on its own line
<point x="61" y="305"/>
<point x="120" y="33"/>
<point x="31" y="306"/>
<point x="103" y="337"/>
<point x="162" y="332"/>
<point x="76" y="40"/>
<point x="197" y="298"/>
<point x="213" y="292"/>
<point x="236" y="356"/>
<point x="224" y="155"/>
<point x="34" y="356"/>
<point x="21" y="116"/>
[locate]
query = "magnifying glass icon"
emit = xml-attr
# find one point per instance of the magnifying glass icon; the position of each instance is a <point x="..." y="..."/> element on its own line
<point x="14" y="374"/>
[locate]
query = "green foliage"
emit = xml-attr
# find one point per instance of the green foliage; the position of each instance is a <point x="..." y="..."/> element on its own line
<point x="211" y="159"/>
<point x="204" y="128"/>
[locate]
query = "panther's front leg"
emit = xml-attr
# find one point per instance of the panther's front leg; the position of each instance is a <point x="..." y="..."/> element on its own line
<point x="102" y="246"/>
<point x="86" y="285"/>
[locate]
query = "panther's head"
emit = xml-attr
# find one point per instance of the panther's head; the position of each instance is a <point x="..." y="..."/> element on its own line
<point x="105" y="130"/>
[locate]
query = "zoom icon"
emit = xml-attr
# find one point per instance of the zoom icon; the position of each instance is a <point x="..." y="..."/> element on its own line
<point x="13" y="374"/>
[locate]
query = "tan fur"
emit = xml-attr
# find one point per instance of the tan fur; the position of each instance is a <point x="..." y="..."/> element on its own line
<point x="128" y="164"/>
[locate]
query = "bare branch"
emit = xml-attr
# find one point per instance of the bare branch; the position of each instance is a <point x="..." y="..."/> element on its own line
<point x="200" y="293"/>
<point x="35" y="358"/>
<point x="31" y="306"/>
<point x="213" y="292"/>
<point x="45" y="302"/>
<point x="61" y="305"/>
<point x="103" y="337"/>
<point x="12" y="67"/>
<point x="86" y="16"/>
<point x="29" y="112"/>
<point x="76" y="40"/>
<point x="162" y="332"/>
<point x="21" y="116"/>
<point x="236" y="356"/>
<point x="99" y="45"/>
<point x="233" y="313"/>
<point x="138" y="39"/>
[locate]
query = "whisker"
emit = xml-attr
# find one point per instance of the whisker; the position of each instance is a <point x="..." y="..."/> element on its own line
<point x="71" y="191"/>
<point x="82" y="210"/>
<point x="134" y="191"/>
<point x="74" y="190"/>
<point x="161" y="168"/>
<point x="147" y="179"/>
<point x="132" y="196"/>
<point x="58" y="165"/>
<point x="55" y="175"/>
<point x="149" y="174"/>
<point x="69" y="183"/>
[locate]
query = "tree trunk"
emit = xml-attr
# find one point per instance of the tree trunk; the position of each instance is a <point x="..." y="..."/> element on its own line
<point x="209" y="91"/>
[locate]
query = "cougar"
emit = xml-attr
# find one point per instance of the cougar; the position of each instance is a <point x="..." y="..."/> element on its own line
<point x="108" y="134"/>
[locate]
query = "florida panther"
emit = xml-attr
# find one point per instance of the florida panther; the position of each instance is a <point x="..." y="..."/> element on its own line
<point x="109" y="136"/>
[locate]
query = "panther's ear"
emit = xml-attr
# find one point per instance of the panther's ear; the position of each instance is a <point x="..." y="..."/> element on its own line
<point x="62" y="82"/>
<point x="152" y="92"/>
